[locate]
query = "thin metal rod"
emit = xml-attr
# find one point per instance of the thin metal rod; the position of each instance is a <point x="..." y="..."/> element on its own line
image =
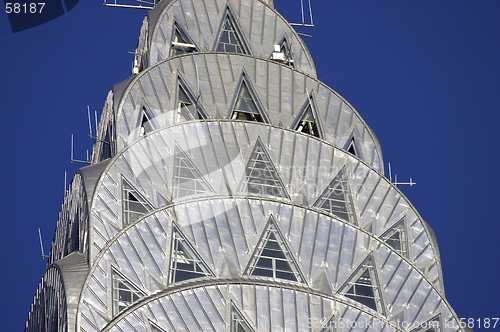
<point x="302" y="25"/>
<point x="140" y="1"/>
<point x="134" y="53"/>
<point x="90" y="122"/>
<point x="411" y="183"/>
<point x="76" y="160"/>
<point x="80" y="161"/>
<point x="302" y="10"/>
<point x="95" y="112"/>
<point x="303" y="34"/>
<point x="127" y="6"/>
<point x="311" y="13"/>
<point x="390" y="174"/>
<point x="408" y="183"/>
<point x="41" y="245"/>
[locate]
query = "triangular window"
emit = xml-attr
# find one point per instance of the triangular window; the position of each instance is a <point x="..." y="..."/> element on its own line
<point x="362" y="286"/>
<point x="432" y="325"/>
<point x="185" y="263"/>
<point x="261" y="177"/>
<point x="352" y="147"/>
<point x="187" y="179"/>
<point x="396" y="238"/>
<point x="336" y="199"/>
<point x="125" y="293"/>
<point x="187" y="108"/>
<point x="134" y="204"/>
<point x="272" y="258"/>
<point x="238" y="322"/>
<point x="230" y="40"/>
<point x="106" y="144"/>
<point x="245" y="107"/>
<point x="282" y="53"/>
<point x="148" y="122"/>
<point x="307" y="122"/>
<point x="181" y="44"/>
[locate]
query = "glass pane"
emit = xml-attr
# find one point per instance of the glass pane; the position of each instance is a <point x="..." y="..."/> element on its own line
<point x="263" y="272"/>
<point x="287" y="276"/>
<point x="229" y="40"/>
<point x="185" y="264"/>
<point x="335" y="199"/>
<point x="261" y="178"/>
<point x="187" y="179"/>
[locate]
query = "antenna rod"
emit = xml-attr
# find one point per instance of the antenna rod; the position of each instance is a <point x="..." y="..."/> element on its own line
<point x="78" y="161"/>
<point x="303" y="34"/>
<point x="411" y="183"/>
<point x="127" y="6"/>
<point x="302" y="25"/>
<point x="302" y="10"/>
<point x="147" y="2"/>
<point x="90" y="122"/>
<point x="311" y="13"/>
<point x="96" y="127"/>
<point x="41" y="245"/>
<point x="390" y="174"/>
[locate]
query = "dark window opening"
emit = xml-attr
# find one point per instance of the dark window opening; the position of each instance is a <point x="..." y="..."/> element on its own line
<point x="362" y="286"/>
<point x="307" y="123"/>
<point x="181" y="44"/>
<point x="185" y="263"/>
<point x="124" y="293"/>
<point x="245" y="107"/>
<point x="187" y="110"/>
<point x="272" y="258"/>
<point x="229" y="40"/>
<point x="261" y="176"/>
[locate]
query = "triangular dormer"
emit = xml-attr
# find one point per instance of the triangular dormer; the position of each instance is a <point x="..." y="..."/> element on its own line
<point x="124" y="292"/>
<point x="272" y="258"/>
<point x="134" y="205"/>
<point x="181" y="43"/>
<point x="230" y="38"/>
<point x="362" y="286"/>
<point x="188" y="108"/>
<point x="261" y="177"/>
<point x="307" y="121"/>
<point x="336" y="198"/>
<point x="185" y="262"/>
<point x="282" y="53"/>
<point x="187" y="178"/>
<point x="245" y="106"/>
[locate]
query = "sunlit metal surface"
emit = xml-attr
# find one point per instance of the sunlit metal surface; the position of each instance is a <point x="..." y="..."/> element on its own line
<point x="234" y="191"/>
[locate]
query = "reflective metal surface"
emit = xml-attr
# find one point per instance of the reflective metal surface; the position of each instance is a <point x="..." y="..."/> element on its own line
<point x="233" y="191"/>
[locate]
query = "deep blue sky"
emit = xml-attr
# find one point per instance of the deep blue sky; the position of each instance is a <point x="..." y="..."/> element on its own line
<point x="424" y="74"/>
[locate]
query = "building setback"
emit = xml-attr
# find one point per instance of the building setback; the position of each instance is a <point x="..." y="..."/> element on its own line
<point x="231" y="190"/>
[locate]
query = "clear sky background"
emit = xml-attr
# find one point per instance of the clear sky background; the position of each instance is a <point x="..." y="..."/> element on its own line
<point x="424" y="74"/>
